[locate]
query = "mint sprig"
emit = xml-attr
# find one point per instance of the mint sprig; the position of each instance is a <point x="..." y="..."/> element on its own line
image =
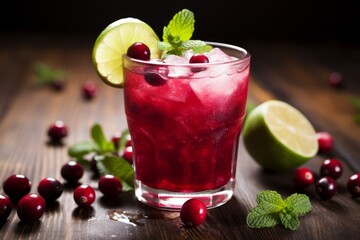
<point x="177" y="35"/>
<point x="273" y="210"/>
<point x="107" y="159"/>
<point x="44" y="74"/>
<point x="355" y="103"/>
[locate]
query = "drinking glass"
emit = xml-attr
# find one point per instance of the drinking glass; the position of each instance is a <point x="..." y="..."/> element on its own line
<point x="185" y="121"/>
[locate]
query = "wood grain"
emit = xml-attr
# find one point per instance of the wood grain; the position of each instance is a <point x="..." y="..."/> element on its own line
<point x="294" y="73"/>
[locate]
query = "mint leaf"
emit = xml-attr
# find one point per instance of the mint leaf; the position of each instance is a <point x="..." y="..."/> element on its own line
<point x="79" y="150"/>
<point x="355" y="102"/>
<point x="191" y="44"/>
<point x="270" y="200"/>
<point x="164" y="46"/>
<point x="289" y="220"/>
<point x="118" y="167"/>
<point x="44" y="74"/>
<point x="357" y="118"/>
<point x="260" y="217"/>
<point x="99" y="138"/>
<point x="123" y="139"/>
<point x="202" y="49"/>
<point x="300" y="203"/>
<point x="177" y="35"/>
<point x="272" y="210"/>
<point x="181" y="26"/>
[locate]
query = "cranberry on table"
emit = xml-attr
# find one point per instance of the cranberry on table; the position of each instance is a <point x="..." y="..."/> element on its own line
<point x="336" y="80"/>
<point x="326" y="188"/>
<point x="302" y="178"/>
<point x="50" y="188"/>
<point x="128" y="154"/>
<point x="110" y="185"/>
<point x="58" y="84"/>
<point x="16" y="186"/>
<point x="5" y="207"/>
<point x="139" y="51"/>
<point x="325" y="141"/>
<point x="193" y="212"/>
<point x="331" y="167"/>
<point x="84" y="195"/>
<point x="128" y="140"/>
<point x="72" y="171"/>
<point x="31" y="207"/>
<point x="57" y="131"/>
<point x="90" y="90"/>
<point x="353" y="185"/>
<point x="115" y="139"/>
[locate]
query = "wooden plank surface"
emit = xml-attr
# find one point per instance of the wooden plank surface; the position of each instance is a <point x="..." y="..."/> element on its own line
<point x="295" y="73"/>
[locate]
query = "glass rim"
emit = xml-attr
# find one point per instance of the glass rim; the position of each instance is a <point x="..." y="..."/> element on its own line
<point x="243" y="59"/>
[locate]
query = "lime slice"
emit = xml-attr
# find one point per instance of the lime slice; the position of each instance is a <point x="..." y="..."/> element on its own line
<point x="278" y="136"/>
<point x="112" y="44"/>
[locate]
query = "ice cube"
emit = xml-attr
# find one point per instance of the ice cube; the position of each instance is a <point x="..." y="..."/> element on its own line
<point x="174" y="59"/>
<point x="216" y="55"/>
<point x="177" y="71"/>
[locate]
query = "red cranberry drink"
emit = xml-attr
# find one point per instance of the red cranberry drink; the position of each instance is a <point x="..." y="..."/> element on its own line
<point x="185" y="108"/>
<point x="185" y="121"/>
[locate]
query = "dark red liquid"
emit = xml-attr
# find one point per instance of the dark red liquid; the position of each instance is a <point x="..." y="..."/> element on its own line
<point x="185" y="132"/>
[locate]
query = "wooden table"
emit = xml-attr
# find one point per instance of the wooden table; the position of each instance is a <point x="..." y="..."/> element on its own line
<point x="296" y="73"/>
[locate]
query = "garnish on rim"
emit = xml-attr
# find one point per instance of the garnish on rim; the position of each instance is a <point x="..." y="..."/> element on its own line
<point x="177" y="35"/>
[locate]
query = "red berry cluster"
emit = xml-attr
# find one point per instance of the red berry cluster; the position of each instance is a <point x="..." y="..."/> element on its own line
<point x="330" y="170"/>
<point x="89" y="89"/>
<point x="84" y="195"/>
<point x="30" y="206"/>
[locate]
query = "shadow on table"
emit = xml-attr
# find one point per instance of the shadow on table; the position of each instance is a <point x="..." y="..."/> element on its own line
<point x="23" y="228"/>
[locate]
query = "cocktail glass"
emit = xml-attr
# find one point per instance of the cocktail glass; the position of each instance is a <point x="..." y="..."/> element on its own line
<point x="185" y="121"/>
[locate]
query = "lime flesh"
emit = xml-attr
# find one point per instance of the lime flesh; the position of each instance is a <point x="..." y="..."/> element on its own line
<point x="112" y="44"/>
<point x="278" y="136"/>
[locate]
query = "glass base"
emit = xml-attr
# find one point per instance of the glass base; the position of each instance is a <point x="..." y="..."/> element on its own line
<point x="168" y="200"/>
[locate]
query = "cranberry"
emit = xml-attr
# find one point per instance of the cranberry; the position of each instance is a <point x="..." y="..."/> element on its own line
<point x="58" y="84"/>
<point x="72" y="171"/>
<point x="198" y="58"/>
<point x="332" y="168"/>
<point x="110" y="185"/>
<point x="139" y="51"/>
<point x="128" y="154"/>
<point x="336" y="80"/>
<point x="325" y="141"/>
<point x="128" y="140"/>
<point x="16" y="186"/>
<point x="31" y="207"/>
<point x="353" y="185"/>
<point x="115" y="139"/>
<point x="84" y="195"/>
<point x="57" y="131"/>
<point x="302" y="178"/>
<point x="90" y="90"/>
<point x="154" y="78"/>
<point x="50" y="188"/>
<point x="193" y="212"/>
<point x="5" y="207"/>
<point x="326" y="188"/>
